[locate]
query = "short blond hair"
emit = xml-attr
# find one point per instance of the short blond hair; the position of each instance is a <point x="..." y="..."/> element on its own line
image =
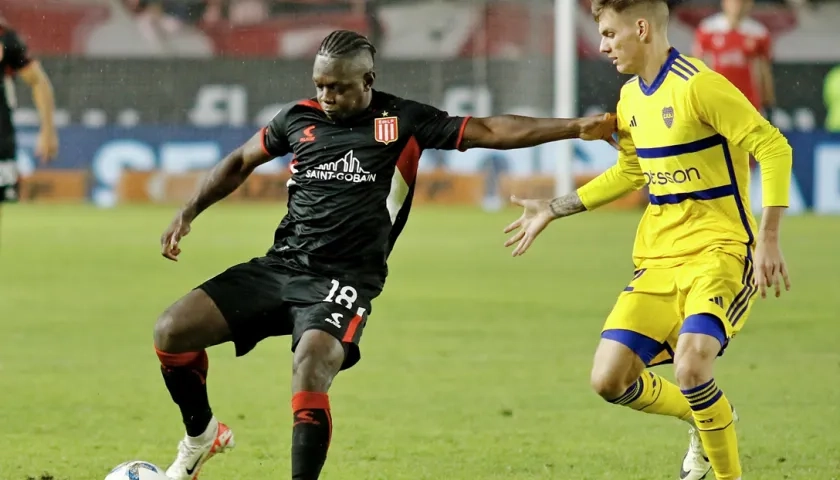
<point x="618" y="6"/>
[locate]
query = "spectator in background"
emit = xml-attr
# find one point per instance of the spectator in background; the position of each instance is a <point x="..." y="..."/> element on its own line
<point x="242" y="12"/>
<point x="174" y="12"/>
<point x="165" y="27"/>
<point x="494" y="166"/>
<point x="214" y="12"/>
<point x="155" y="23"/>
<point x="739" y="48"/>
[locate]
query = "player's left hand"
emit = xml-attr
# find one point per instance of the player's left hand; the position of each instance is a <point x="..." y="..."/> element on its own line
<point x="46" y="147"/>
<point x="178" y="229"/>
<point x="770" y="267"/>
<point x="599" y="127"/>
<point x="534" y="219"/>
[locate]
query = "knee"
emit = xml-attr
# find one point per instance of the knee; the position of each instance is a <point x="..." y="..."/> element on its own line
<point x="609" y="384"/>
<point x="701" y="339"/>
<point x="693" y="366"/>
<point x="318" y="358"/>
<point x="615" y="368"/>
<point x="166" y="333"/>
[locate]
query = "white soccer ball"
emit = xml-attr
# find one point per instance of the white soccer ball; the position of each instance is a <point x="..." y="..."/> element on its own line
<point x="136" y="470"/>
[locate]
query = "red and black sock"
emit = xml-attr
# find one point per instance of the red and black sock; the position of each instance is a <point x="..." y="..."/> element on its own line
<point x="311" y="434"/>
<point x="185" y="375"/>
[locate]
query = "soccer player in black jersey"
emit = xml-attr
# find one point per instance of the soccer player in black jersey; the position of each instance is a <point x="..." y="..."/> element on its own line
<point x="14" y="60"/>
<point x="355" y="162"/>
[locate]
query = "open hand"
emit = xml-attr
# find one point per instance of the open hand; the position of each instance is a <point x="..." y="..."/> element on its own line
<point x="599" y="127"/>
<point x="534" y="219"/>
<point x="770" y="267"/>
<point x="178" y="229"/>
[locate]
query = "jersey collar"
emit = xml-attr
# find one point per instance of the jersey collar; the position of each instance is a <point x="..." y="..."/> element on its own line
<point x="660" y="77"/>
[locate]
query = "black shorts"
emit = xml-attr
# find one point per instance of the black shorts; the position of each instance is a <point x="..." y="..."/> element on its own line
<point x="9" y="180"/>
<point x="265" y="298"/>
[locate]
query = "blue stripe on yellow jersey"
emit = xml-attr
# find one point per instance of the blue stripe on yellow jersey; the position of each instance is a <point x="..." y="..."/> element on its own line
<point x="687" y="137"/>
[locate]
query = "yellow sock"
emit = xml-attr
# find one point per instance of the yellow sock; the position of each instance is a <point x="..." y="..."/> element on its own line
<point x="714" y="420"/>
<point x="653" y="394"/>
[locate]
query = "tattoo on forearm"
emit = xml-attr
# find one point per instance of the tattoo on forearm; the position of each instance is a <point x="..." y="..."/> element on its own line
<point x="566" y="205"/>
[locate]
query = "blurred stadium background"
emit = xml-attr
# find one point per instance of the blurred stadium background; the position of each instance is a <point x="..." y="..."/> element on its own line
<point x="171" y="85"/>
<point x="476" y="366"/>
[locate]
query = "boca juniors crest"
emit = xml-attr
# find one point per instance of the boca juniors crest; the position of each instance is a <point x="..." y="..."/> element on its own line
<point x="668" y="116"/>
<point x="386" y="130"/>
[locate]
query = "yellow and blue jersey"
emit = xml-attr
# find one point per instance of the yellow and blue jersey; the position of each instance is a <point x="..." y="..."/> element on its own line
<point x="688" y="137"/>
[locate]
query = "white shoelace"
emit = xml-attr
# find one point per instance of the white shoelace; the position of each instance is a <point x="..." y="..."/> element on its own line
<point x="695" y="444"/>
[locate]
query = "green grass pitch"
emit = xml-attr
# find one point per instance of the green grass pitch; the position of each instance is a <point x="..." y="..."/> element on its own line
<point x="475" y="365"/>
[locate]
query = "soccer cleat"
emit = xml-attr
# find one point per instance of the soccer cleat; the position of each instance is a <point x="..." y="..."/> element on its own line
<point x="193" y="453"/>
<point x="696" y="465"/>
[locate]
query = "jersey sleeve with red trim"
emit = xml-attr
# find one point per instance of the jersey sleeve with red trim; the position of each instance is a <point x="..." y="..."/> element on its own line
<point x="434" y="128"/>
<point x="15" y="54"/>
<point x="275" y="140"/>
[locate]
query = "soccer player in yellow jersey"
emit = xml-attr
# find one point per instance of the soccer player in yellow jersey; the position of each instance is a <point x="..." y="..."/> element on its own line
<point x="686" y="132"/>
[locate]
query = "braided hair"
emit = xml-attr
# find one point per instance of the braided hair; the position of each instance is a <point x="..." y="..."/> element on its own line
<point x="345" y="43"/>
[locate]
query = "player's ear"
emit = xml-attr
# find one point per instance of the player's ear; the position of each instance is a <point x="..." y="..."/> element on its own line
<point x="642" y="29"/>
<point x="370" y="77"/>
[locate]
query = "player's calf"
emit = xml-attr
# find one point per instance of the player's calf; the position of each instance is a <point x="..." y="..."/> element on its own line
<point x="318" y="358"/>
<point x="181" y="335"/>
<point x="701" y="338"/>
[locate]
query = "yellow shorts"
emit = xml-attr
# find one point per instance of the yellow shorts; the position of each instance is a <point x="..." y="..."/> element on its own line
<point x="659" y="303"/>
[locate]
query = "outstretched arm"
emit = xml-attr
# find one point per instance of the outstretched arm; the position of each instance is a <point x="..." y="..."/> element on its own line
<point x="437" y="129"/>
<point x="619" y="180"/>
<point x="537" y="215"/>
<point x="566" y="205"/>
<point x="505" y="132"/>
<point x="616" y="182"/>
